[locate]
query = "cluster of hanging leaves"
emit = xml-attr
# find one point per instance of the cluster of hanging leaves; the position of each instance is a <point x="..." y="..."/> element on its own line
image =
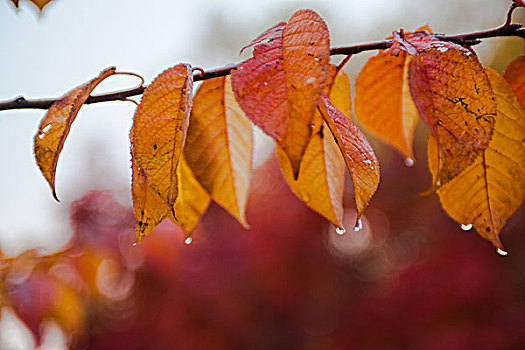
<point x="188" y="149"/>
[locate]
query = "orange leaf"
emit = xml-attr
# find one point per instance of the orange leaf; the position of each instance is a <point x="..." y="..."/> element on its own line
<point x="159" y="130"/>
<point x="150" y="209"/>
<point x="279" y="87"/>
<point x="515" y="75"/>
<point x="192" y="200"/>
<point x="490" y="190"/>
<point x="219" y="146"/>
<point x="452" y="93"/>
<point x="148" y="206"/>
<point x="357" y="152"/>
<point x="383" y="103"/>
<point x="54" y="127"/>
<point x="321" y="176"/>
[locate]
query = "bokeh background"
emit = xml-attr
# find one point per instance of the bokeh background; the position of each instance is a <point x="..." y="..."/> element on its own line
<point x="411" y="279"/>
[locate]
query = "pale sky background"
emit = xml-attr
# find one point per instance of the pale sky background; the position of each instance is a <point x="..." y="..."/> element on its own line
<point x="46" y="55"/>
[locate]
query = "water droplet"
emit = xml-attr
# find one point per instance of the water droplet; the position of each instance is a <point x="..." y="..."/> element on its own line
<point x="188" y="240"/>
<point x="340" y="230"/>
<point x="265" y="83"/>
<point x="316" y="58"/>
<point x="41" y="136"/>
<point x="358" y="225"/>
<point x="46" y="128"/>
<point x="135" y="244"/>
<point x="409" y="162"/>
<point x="466" y="227"/>
<point x="501" y="252"/>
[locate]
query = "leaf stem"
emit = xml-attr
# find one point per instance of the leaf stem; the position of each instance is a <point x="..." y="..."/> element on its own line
<point x="506" y="30"/>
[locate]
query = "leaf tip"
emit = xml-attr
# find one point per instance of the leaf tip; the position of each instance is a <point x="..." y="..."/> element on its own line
<point x="173" y="213"/>
<point x="497" y="243"/>
<point x="244" y="223"/>
<point x="55" y="194"/>
<point x="295" y="171"/>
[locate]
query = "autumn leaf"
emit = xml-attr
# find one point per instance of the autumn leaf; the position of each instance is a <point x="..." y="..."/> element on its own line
<point x="383" y="103"/>
<point x="149" y="207"/>
<point x="219" y="146"/>
<point x="271" y="34"/>
<point x="192" y="200"/>
<point x="515" y="75"/>
<point x="321" y="176"/>
<point x="278" y="88"/>
<point x="357" y="152"/>
<point x="452" y="93"/>
<point x="159" y="129"/>
<point x="490" y="190"/>
<point x="54" y="127"/>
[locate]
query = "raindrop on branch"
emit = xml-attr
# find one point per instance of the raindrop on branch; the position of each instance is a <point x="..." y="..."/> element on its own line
<point x="409" y="162"/>
<point x="188" y="240"/>
<point x="340" y="230"/>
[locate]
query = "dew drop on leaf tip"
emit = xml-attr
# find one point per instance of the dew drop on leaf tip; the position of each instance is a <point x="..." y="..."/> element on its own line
<point x="135" y="244"/>
<point x="466" y="227"/>
<point x="340" y="230"/>
<point x="188" y="240"/>
<point x="502" y="252"/>
<point x="409" y="162"/>
<point x="358" y="225"/>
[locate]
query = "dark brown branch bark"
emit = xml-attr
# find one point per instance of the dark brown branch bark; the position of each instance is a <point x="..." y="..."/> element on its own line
<point x="505" y="30"/>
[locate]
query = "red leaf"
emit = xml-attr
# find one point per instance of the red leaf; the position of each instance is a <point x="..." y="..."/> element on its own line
<point x="453" y="95"/>
<point x="279" y="87"/>
<point x="357" y="152"/>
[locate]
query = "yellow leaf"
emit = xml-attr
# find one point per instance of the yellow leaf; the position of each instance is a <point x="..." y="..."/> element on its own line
<point x="219" y="146"/>
<point x="159" y="130"/>
<point x="54" y="127"/>
<point x="192" y="200"/>
<point x="279" y="87"/>
<point x="515" y="75"/>
<point x="321" y="176"/>
<point x="383" y="103"/>
<point x="489" y="191"/>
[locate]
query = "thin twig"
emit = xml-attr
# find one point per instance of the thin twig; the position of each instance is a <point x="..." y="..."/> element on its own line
<point x="505" y="30"/>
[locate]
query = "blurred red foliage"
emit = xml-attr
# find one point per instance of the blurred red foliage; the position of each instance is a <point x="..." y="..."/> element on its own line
<point x="410" y="279"/>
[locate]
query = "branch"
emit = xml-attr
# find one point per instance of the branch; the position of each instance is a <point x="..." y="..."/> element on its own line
<point x="506" y="30"/>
